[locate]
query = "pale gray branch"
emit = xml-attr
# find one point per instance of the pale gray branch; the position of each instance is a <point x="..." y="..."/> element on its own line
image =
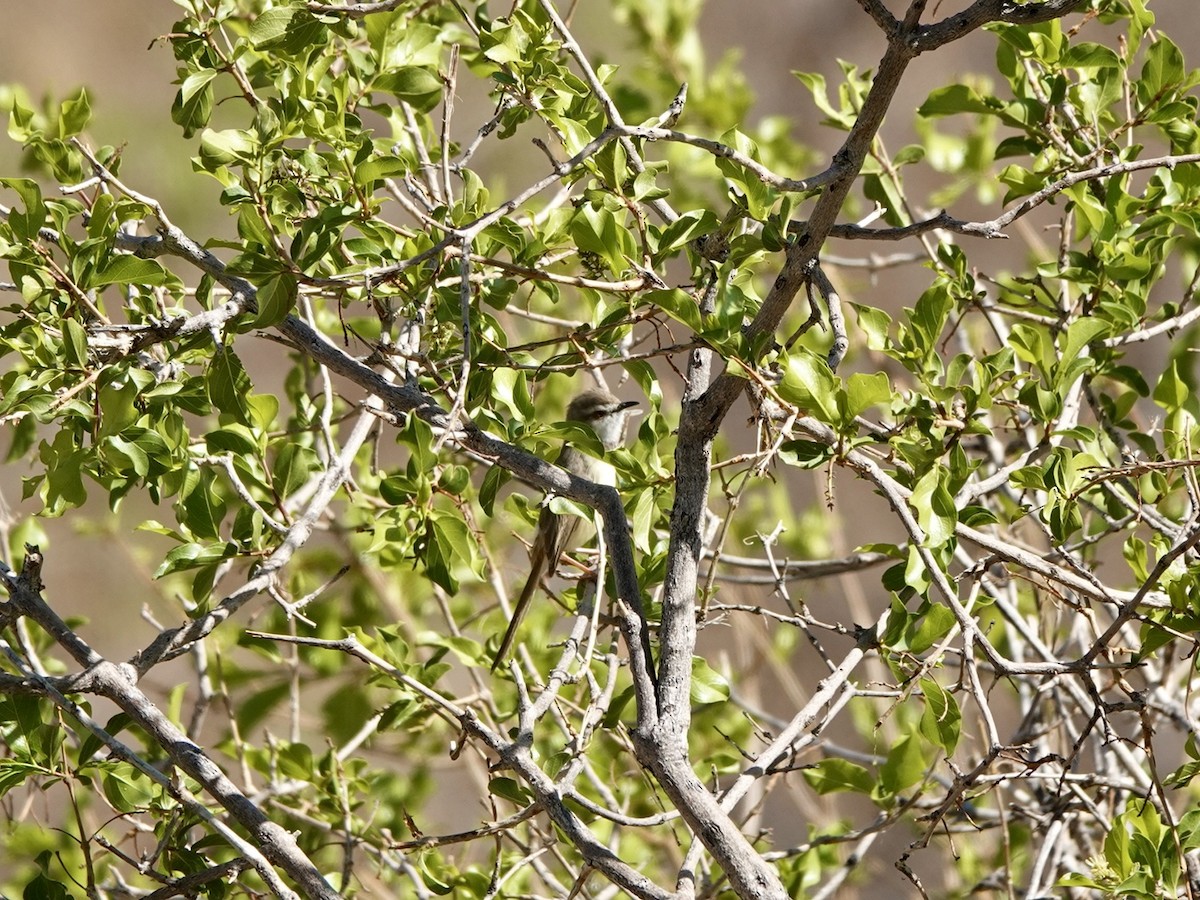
<point x="118" y="683"/>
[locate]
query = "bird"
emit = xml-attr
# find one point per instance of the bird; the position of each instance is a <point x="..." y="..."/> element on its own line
<point x="607" y="415"/>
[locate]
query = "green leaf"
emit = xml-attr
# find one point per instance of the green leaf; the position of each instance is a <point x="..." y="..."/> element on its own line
<point x="195" y="84"/>
<point x="75" y="344"/>
<point x="977" y="516"/>
<point x="29" y="713"/>
<point x="118" y="409"/>
<point x="929" y="316"/>
<point x="1136" y="556"/>
<point x="417" y="85"/>
<point x="449" y="546"/>
<point x="758" y="197"/>
<point x="646" y="187"/>
<point x="229" y="385"/>
<point x="507" y="42"/>
<point x="25" y="224"/>
<point x="832" y="775"/>
<point x="293" y="468"/>
<point x="396" y="489"/>
<point x="64" y="476"/>
<point x="642" y="518"/>
<point x="679" y="305"/>
<point x="74" y="113"/>
<point x="92" y="744"/>
<point x="957" y="98"/>
<point x="934" y="506"/>
<point x="839" y="118"/>
<point x="689" y="226"/>
<point x="377" y="169"/>
<point x="1163" y="69"/>
<point x="1172" y="390"/>
<point x="1086" y="55"/>
<point x="930" y="628"/>
<point x="597" y="230"/>
<point x="805" y="454"/>
<point x="203" y="509"/>
<point x="909" y="155"/>
<point x="810" y="384"/>
<point x="234" y="439"/>
<point x="193" y="104"/>
<point x="1081" y="333"/>
<point x="436" y="876"/>
<point x="864" y="391"/>
<point x="509" y="789"/>
<point x="905" y="766"/>
<point x="886" y="194"/>
<point x="271" y="25"/>
<point x="876" y="324"/>
<point x="296" y="761"/>
<point x="223" y="148"/>
<point x="1020" y="181"/>
<point x="42" y="887"/>
<point x="1183" y="776"/>
<point x="276" y="298"/>
<point x="455" y="480"/>
<point x="122" y="269"/>
<point x="941" y="721"/>
<point x="126" y="455"/>
<point x="708" y="685"/>
<point x="127" y="789"/>
<point x="495" y="478"/>
<point x="193" y="556"/>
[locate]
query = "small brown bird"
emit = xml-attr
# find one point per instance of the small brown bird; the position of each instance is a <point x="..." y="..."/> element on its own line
<point x="606" y="415"/>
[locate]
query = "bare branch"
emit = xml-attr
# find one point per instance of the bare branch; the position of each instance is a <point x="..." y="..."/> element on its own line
<point x="118" y="684"/>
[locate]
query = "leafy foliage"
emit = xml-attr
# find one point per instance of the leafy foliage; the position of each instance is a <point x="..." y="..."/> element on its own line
<point x="323" y="419"/>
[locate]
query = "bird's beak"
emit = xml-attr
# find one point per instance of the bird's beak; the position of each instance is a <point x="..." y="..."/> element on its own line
<point x="630" y="404"/>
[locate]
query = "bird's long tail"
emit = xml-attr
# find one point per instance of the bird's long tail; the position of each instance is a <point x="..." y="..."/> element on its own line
<point x="537" y="560"/>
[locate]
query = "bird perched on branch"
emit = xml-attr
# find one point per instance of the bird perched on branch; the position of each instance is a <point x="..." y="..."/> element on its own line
<point x="607" y="415"/>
